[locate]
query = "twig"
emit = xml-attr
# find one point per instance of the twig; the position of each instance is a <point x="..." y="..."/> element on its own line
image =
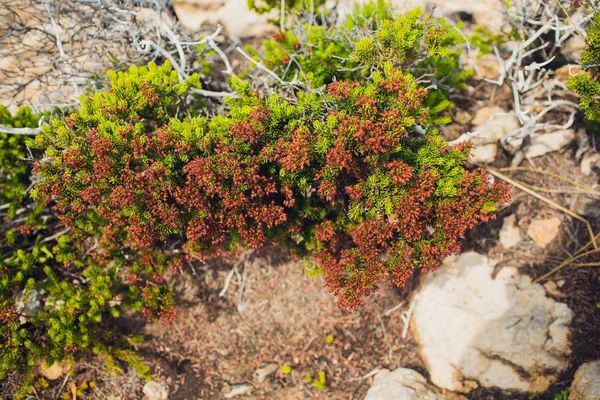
<point x="240" y="304"/>
<point x="391" y="310"/>
<point x="56" y="235"/>
<point x="407" y="315"/>
<point x="282" y="16"/>
<point x="546" y="200"/>
<point x="365" y="376"/>
<point x="261" y="66"/>
<point x="564" y="264"/>
<point x="63" y="385"/>
<point x="61" y="51"/>
<point x="553" y="175"/>
<point x="20" y="131"/>
<point x="209" y="93"/>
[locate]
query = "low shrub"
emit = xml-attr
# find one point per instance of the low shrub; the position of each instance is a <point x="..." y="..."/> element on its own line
<point x="308" y="174"/>
<point x="345" y="169"/>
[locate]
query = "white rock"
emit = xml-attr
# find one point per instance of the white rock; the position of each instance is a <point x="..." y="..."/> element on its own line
<point x="484" y="153"/>
<point x="586" y="384"/>
<point x="510" y="234"/>
<point x="589" y="161"/>
<point x="543" y="231"/>
<point x="53" y="371"/>
<point x="512" y="144"/>
<point x="156" y="391"/>
<point x="402" y="384"/>
<point x="492" y="124"/>
<point x="477" y="331"/>
<point x="261" y="374"/>
<point x="552" y="289"/>
<point x="238" y="390"/>
<point x="548" y="142"/>
<point x="497" y="123"/>
<point x="234" y="15"/>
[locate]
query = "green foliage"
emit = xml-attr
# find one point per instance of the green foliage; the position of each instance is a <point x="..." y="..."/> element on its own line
<point x="292" y="172"/>
<point x="345" y="169"/>
<point x="484" y="40"/>
<point x="14" y="171"/>
<point x="369" y="38"/>
<point x="587" y="85"/>
<point x="54" y="301"/>
<point x="563" y="395"/>
<point x="321" y="382"/>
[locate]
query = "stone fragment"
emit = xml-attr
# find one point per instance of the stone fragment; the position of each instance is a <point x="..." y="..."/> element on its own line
<point x="402" y="384"/>
<point x="552" y="289"/>
<point x="488" y="66"/>
<point x="510" y="234"/>
<point x="549" y="142"/>
<point x="586" y="384"/>
<point x="475" y="330"/>
<point x="497" y="123"/>
<point x="589" y="162"/>
<point x="261" y="374"/>
<point x="463" y="117"/>
<point x="491" y="124"/>
<point x="156" y="391"/>
<point x="54" y="371"/>
<point x="543" y="231"/>
<point x="484" y="153"/>
<point x="238" y="390"/>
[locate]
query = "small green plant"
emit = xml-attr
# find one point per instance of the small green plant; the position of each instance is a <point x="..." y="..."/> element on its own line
<point x="587" y="85"/>
<point x="321" y="382"/>
<point x="563" y="395"/>
<point x="286" y="369"/>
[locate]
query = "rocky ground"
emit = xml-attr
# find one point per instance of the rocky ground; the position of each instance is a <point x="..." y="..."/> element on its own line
<point x="503" y="320"/>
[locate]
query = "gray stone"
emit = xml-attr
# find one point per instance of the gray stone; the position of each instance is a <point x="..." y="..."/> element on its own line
<point x="475" y="330"/>
<point x="510" y="234"/>
<point x="543" y="231"/>
<point x="496" y="123"/>
<point x="156" y="391"/>
<point x="402" y="384"/>
<point x="549" y="142"/>
<point x="484" y="153"/>
<point x="238" y="390"/>
<point x="586" y="384"/>
<point x="589" y="162"/>
<point x="261" y="374"/>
